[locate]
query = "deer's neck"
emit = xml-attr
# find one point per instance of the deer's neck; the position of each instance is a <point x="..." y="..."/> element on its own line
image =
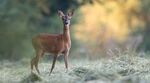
<point x="66" y="34"/>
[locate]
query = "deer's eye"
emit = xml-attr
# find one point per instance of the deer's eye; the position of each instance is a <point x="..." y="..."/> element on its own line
<point x="63" y="18"/>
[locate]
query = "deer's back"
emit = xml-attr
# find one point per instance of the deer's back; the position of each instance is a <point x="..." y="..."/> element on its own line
<point x="51" y="43"/>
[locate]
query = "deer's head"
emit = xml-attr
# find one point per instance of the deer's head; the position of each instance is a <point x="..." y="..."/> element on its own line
<point x="65" y="18"/>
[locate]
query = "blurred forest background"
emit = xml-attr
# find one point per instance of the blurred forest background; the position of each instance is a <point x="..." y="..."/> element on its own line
<point x="99" y="28"/>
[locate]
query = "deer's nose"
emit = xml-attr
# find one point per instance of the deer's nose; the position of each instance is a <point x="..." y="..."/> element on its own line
<point x="66" y="22"/>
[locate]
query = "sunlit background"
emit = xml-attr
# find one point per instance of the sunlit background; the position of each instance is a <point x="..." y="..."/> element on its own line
<point x="98" y="27"/>
<point x="110" y="41"/>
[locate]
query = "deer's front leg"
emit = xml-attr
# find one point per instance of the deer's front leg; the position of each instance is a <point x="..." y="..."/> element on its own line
<point x="53" y="64"/>
<point x="66" y="59"/>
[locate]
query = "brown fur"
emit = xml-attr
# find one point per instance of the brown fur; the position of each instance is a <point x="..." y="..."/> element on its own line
<point x="52" y="43"/>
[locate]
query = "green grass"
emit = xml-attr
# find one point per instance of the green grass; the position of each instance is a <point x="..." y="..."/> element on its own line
<point x="122" y="69"/>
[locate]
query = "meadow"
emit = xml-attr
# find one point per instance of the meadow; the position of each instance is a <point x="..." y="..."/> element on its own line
<point x="109" y="40"/>
<point x="129" y="68"/>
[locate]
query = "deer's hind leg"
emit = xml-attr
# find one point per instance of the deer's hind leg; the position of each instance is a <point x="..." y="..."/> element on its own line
<point x="35" y="60"/>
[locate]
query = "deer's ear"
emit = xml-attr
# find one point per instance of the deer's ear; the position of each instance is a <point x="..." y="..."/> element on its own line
<point x="70" y="13"/>
<point x="60" y="13"/>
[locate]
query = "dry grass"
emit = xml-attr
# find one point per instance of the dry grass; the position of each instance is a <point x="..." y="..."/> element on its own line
<point x="122" y="69"/>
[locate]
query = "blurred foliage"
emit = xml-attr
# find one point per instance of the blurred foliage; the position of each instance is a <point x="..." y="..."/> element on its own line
<point x="114" y="24"/>
<point x="21" y="19"/>
<point x="145" y="16"/>
<point x="100" y="25"/>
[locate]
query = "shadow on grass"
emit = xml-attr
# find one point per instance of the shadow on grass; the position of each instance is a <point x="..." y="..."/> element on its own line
<point x="32" y="78"/>
<point x="86" y="74"/>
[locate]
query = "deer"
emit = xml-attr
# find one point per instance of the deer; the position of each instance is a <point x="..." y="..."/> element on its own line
<point x="55" y="44"/>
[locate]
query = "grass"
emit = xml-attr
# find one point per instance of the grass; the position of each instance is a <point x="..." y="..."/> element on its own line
<point x="122" y="69"/>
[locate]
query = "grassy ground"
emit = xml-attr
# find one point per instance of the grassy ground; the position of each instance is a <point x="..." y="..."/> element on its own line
<point x="123" y="69"/>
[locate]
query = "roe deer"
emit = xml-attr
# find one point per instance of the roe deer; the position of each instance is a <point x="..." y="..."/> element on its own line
<point x="55" y="44"/>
